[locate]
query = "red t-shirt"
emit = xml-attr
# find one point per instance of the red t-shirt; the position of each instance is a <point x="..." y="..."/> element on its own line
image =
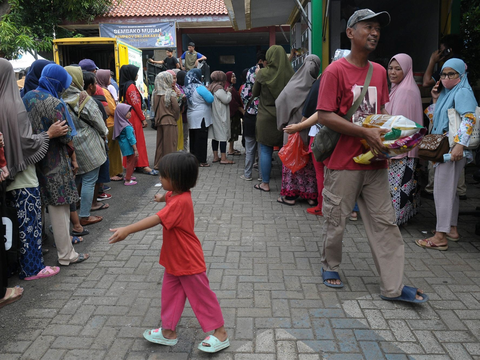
<point x="181" y="252"/>
<point x="340" y="86"/>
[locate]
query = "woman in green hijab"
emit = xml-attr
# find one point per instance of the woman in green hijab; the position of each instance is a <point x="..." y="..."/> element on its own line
<point x="269" y="83"/>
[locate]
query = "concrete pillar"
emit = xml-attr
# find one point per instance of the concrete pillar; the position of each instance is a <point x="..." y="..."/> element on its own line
<point x="272" y="33"/>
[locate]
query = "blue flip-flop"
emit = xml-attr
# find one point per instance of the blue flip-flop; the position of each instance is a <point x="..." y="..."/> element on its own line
<point x="331" y="275"/>
<point x="409" y="294"/>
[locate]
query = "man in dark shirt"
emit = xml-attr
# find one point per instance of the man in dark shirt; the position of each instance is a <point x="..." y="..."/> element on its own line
<point x="170" y="62"/>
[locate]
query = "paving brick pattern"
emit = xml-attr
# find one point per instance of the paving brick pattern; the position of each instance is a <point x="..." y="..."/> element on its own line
<point x="263" y="262"/>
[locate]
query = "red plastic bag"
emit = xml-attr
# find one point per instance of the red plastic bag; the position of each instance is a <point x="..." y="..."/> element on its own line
<point x="294" y="154"/>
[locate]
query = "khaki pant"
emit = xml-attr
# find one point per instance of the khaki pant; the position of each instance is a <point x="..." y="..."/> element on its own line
<point x="370" y="190"/>
<point x="60" y="219"/>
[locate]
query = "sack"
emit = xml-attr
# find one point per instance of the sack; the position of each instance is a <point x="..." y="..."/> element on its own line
<point x="454" y="120"/>
<point x="11" y="237"/>
<point x="324" y="143"/>
<point x="433" y="147"/>
<point x="294" y="154"/>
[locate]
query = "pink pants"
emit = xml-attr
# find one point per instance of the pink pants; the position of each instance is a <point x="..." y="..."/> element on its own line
<point x="131" y="163"/>
<point x="176" y="289"/>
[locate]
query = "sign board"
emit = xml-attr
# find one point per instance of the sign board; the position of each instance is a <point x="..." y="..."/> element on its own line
<point x="143" y="36"/>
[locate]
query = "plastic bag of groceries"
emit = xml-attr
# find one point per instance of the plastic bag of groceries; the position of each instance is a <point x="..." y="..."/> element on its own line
<point x="404" y="134"/>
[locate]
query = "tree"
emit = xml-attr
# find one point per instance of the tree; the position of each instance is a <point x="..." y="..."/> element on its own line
<point x="470" y="32"/>
<point x="30" y="25"/>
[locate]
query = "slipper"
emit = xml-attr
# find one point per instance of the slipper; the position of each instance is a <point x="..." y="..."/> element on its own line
<point x="215" y="161"/>
<point x="96" y="219"/>
<point x="80" y="233"/>
<point x="315" y="211"/>
<point x="156" y="336"/>
<point x="281" y="200"/>
<point x="102" y="207"/>
<point x="153" y="172"/>
<point x="130" y="183"/>
<point x="81" y="258"/>
<point x="448" y="237"/>
<point x="15" y="294"/>
<point x="331" y="275"/>
<point x="258" y="187"/>
<point x="47" y="271"/>
<point x="235" y="153"/>
<point x="428" y="244"/>
<point x="408" y="295"/>
<point x="76" y="240"/>
<point x="116" y="178"/>
<point x="215" y="344"/>
<point x="227" y="163"/>
<point x="204" y="165"/>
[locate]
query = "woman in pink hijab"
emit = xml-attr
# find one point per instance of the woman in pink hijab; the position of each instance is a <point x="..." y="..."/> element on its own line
<point x="405" y="99"/>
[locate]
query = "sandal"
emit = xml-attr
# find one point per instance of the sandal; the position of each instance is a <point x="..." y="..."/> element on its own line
<point x="428" y="244"/>
<point x="15" y="294"/>
<point x="215" y="161"/>
<point x="204" y="165"/>
<point x="214" y="345"/>
<point x="448" y="237"/>
<point x="156" y="336"/>
<point x="409" y="294"/>
<point x="81" y="258"/>
<point x="47" y="271"/>
<point x="90" y="220"/>
<point x="104" y="206"/>
<point x="331" y="275"/>
<point x="76" y="240"/>
<point x="79" y="233"/>
<point x="281" y="200"/>
<point x="235" y="153"/>
<point x="315" y="211"/>
<point x="152" y="172"/>
<point x="258" y="187"/>
<point x="116" y="178"/>
<point x="228" y="162"/>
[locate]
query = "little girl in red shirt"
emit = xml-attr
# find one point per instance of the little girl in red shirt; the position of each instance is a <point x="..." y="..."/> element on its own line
<point x="182" y="256"/>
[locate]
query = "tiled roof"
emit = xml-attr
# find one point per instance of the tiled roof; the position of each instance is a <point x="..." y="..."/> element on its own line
<point x="167" y="8"/>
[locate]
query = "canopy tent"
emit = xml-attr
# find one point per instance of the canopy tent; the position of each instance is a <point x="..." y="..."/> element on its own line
<point x="24" y="61"/>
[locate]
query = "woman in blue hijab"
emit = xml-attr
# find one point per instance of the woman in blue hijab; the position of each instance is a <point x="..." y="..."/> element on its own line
<point x="455" y="94"/>
<point x="55" y="175"/>
<point x="33" y="75"/>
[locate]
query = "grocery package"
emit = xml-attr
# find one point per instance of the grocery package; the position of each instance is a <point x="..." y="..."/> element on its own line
<point x="404" y="134"/>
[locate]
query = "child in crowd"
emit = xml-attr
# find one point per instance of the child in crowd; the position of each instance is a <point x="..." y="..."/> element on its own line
<point x="182" y="256"/>
<point x="124" y="133"/>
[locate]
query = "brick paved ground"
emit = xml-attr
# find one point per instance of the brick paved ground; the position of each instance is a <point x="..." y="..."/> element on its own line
<point x="264" y="264"/>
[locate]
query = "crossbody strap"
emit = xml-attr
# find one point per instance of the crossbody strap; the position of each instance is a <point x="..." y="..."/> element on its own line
<point x="357" y="103"/>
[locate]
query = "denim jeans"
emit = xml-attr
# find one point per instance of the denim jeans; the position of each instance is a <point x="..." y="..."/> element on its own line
<point x="265" y="162"/>
<point x="88" y="181"/>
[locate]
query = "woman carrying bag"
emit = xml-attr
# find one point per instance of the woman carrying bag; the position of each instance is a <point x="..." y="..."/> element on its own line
<point x="456" y="93"/>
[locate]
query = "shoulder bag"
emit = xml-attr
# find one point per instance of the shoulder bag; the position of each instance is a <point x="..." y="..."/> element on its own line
<point x="454" y="121"/>
<point x="433" y="147"/>
<point x="326" y="139"/>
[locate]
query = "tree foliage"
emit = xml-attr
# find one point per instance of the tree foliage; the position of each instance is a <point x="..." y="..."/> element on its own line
<point x="470" y="31"/>
<point x="30" y="25"/>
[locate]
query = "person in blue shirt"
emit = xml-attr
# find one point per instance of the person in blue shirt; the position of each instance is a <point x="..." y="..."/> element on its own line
<point x="191" y="57"/>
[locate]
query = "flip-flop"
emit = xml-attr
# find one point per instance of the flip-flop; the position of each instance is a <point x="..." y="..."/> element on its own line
<point x="76" y="240"/>
<point x="15" y="295"/>
<point x="156" y="336"/>
<point x="408" y="295"/>
<point x="153" y="172"/>
<point x="227" y="163"/>
<point x="215" y="344"/>
<point x="258" y="187"/>
<point x="47" y="271"/>
<point x="281" y="200"/>
<point x="428" y="244"/>
<point x="104" y="206"/>
<point x="215" y="161"/>
<point x="204" y="165"/>
<point x="116" y="178"/>
<point x="448" y="237"/>
<point x="80" y="233"/>
<point x="235" y="153"/>
<point x="90" y="222"/>
<point x="331" y="275"/>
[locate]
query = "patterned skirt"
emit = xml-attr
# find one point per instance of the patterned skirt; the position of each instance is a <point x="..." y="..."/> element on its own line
<point x="403" y="181"/>
<point x="302" y="183"/>
<point x="29" y="212"/>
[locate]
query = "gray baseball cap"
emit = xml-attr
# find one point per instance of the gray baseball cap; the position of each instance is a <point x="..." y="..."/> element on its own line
<point x="382" y="17"/>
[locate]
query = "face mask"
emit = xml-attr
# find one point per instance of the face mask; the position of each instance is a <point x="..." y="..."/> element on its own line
<point x="450" y="83"/>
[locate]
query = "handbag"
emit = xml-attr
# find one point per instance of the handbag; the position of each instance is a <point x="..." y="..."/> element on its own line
<point x="11" y="237"/>
<point x="326" y="139"/>
<point x="454" y="121"/>
<point x="433" y="147"/>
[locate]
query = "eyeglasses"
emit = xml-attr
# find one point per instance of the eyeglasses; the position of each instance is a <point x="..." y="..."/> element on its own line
<point x="450" y="75"/>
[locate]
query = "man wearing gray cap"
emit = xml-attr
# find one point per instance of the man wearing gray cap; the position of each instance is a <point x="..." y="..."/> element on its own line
<point x="355" y="80"/>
